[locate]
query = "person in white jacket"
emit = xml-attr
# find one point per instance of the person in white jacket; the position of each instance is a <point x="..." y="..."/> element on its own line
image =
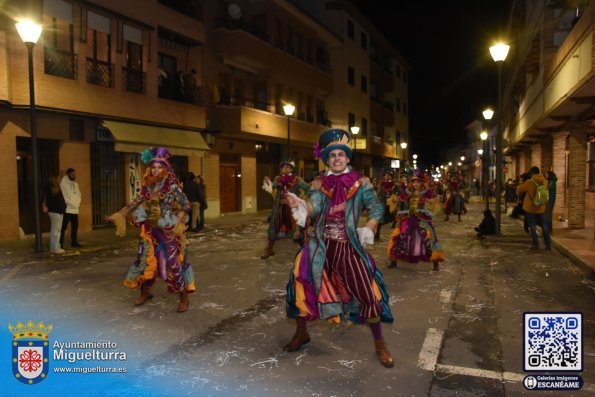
<point x="72" y="196"/>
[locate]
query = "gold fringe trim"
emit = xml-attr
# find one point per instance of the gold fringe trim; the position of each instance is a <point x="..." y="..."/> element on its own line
<point x="120" y="223"/>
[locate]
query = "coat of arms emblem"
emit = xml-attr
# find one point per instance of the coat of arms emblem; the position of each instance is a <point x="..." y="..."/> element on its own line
<point x="30" y="351"/>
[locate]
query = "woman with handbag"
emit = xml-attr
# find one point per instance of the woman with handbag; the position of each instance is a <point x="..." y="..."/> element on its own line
<point x="54" y="205"/>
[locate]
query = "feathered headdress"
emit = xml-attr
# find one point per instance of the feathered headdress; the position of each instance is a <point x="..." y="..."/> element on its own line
<point x="160" y="154"/>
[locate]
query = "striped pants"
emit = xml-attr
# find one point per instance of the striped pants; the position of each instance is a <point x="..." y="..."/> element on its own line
<point x="351" y="277"/>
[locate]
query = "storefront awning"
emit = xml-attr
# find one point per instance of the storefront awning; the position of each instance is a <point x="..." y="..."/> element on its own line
<point x="134" y="138"/>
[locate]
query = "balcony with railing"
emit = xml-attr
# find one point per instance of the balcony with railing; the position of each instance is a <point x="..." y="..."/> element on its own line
<point x="234" y="46"/>
<point x="133" y="80"/>
<point x="100" y="72"/>
<point x="192" y="8"/>
<point x="188" y="94"/>
<point x="60" y="63"/>
<point x="240" y="24"/>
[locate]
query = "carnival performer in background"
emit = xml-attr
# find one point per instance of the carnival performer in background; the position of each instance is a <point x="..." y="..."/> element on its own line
<point x="161" y="211"/>
<point x="385" y="194"/>
<point x="281" y="223"/>
<point x="454" y="202"/>
<point x="334" y="276"/>
<point x="414" y="238"/>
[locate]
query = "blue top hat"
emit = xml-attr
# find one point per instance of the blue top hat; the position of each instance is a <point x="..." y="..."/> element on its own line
<point x="334" y="139"/>
<point x="287" y="161"/>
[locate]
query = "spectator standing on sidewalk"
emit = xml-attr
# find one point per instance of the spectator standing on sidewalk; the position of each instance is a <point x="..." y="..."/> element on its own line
<point x="160" y="210"/>
<point x="552" y="180"/>
<point x="533" y="213"/>
<point x="191" y="191"/>
<point x="202" y="199"/>
<point x="334" y="277"/>
<point x="72" y="197"/>
<point x="54" y="200"/>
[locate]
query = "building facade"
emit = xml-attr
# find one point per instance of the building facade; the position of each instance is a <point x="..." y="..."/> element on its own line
<point x="206" y="79"/>
<point x="549" y="98"/>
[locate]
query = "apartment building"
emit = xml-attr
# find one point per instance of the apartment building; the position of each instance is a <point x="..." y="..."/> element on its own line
<point x="370" y="88"/>
<point x="549" y="98"/>
<point x="101" y="96"/>
<point x="206" y="79"/>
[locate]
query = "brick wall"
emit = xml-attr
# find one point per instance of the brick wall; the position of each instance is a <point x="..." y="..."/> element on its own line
<point x="248" y="165"/>
<point x="535" y="156"/>
<point x="546" y="155"/>
<point x="559" y="166"/>
<point x="211" y="179"/>
<point x="522" y="162"/>
<point x="9" y="216"/>
<point x="577" y="148"/>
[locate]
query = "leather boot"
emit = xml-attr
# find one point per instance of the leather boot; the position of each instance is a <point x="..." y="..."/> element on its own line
<point x="383" y="354"/>
<point x="300" y="337"/>
<point x="436" y="266"/>
<point x="268" y="251"/>
<point x="183" y="306"/>
<point x="392" y="264"/>
<point x="145" y="294"/>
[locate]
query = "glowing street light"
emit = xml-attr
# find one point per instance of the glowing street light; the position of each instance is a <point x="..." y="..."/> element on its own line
<point x="488" y="114"/>
<point x="288" y="109"/>
<point x="354" y="130"/>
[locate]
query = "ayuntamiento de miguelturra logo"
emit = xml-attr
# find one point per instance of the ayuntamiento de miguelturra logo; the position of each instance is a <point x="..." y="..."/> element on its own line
<point x="30" y="351"/>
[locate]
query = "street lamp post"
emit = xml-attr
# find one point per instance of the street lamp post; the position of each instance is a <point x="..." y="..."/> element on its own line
<point x="354" y="130"/>
<point x="30" y="32"/>
<point x="288" y="109"/>
<point x="403" y="147"/>
<point x="485" y="165"/>
<point x="499" y="53"/>
<point x="488" y="113"/>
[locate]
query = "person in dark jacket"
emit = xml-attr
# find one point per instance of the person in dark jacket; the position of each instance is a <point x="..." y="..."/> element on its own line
<point x="202" y="199"/>
<point x="54" y="201"/>
<point x="552" y="180"/>
<point x="487" y="227"/>
<point x="191" y="191"/>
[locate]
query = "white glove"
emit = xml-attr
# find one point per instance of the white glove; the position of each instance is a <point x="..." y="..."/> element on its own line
<point x="301" y="212"/>
<point x="365" y="235"/>
<point x="267" y="186"/>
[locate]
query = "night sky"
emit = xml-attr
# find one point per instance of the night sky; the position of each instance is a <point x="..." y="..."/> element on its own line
<point x="454" y="77"/>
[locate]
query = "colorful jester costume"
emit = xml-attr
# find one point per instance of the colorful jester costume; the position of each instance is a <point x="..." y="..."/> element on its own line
<point x="281" y="223"/>
<point x="414" y="238"/>
<point x="160" y="211"/>
<point x="334" y="277"/>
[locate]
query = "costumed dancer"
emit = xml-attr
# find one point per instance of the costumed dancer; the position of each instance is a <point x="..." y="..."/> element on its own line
<point x="414" y="238"/>
<point x="454" y="202"/>
<point x="281" y="223"/>
<point x="160" y="210"/>
<point x="385" y="193"/>
<point x="334" y="277"/>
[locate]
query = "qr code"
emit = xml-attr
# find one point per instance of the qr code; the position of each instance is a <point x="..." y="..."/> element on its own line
<point x="553" y="341"/>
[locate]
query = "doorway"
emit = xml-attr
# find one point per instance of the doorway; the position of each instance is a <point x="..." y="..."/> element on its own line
<point x="229" y="182"/>
<point x="47" y="150"/>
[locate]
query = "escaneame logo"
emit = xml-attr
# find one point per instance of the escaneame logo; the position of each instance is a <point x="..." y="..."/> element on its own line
<point x="30" y="351"/>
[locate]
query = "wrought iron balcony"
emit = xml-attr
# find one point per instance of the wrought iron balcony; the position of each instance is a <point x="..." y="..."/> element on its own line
<point x="133" y="80"/>
<point x="60" y="63"/>
<point x="100" y="72"/>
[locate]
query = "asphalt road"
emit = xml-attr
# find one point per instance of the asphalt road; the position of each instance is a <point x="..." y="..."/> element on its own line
<point x="457" y="332"/>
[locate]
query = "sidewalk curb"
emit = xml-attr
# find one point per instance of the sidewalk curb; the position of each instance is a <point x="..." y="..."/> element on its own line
<point x="577" y="260"/>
